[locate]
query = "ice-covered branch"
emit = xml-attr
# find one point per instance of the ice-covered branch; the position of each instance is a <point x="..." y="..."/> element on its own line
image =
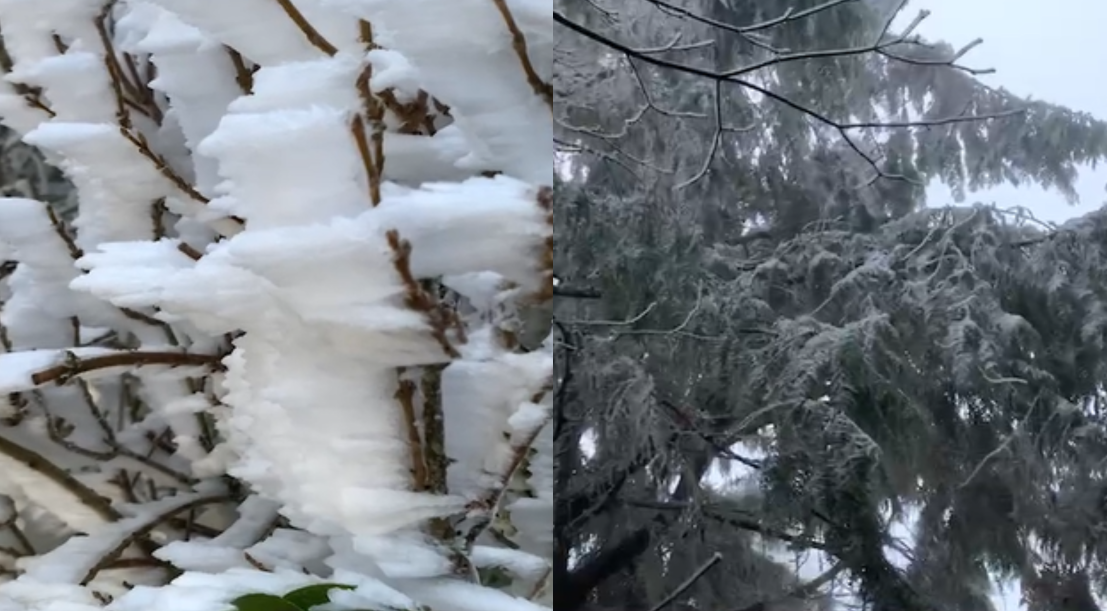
<point x="307" y="283"/>
<point x="903" y="47"/>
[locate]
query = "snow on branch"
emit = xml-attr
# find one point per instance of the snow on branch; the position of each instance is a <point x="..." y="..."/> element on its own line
<point x="904" y="47"/>
<point x="298" y="329"/>
<point x="25" y="370"/>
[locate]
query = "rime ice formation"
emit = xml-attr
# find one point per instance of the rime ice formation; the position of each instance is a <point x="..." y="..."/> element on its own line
<point x="305" y="235"/>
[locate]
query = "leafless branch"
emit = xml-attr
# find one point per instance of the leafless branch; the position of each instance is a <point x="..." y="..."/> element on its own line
<point x="803" y="591"/>
<point x="882" y="44"/>
<point x="576" y="293"/>
<point x="689" y="582"/>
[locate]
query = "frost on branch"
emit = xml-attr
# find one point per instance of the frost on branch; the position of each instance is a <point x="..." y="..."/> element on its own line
<point x="297" y="332"/>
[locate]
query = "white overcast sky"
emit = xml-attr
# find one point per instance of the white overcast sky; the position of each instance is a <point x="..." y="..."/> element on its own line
<point x="1053" y="51"/>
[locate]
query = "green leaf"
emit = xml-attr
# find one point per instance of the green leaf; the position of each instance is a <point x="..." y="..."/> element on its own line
<point x="310" y="596"/>
<point x="263" y="602"/>
<point x="494" y="577"/>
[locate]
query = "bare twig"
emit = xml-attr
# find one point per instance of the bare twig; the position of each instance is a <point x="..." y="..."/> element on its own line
<point x="405" y="396"/>
<point x="880" y="45"/>
<point x="732" y="519"/>
<point x="144" y="527"/>
<point x="577" y="293"/>
<point x="43" y="466"/>
<point x="313" y="36"/>
<point x="243" y="74"/>
<point x="715" y="76"/>
<point x="76" y="366"/>
<point x="801" y="592"/>
<point x="519" y="43"/>
<point x="687" y="583"/>
<point x="488" y="504"/>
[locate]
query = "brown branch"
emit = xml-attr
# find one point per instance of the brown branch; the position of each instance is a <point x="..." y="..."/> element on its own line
<point x="243" y="75"/>
<point x="59" y="228"/>
<point x="373" y="161"/>
<point x="61" y="437"/>
<point x="170" y="336"/>
<point x="161" y="164"/>
<point x="434" y="455"/>
<point x="405" y="396"/>
<point x="440" y="318"/>
<point x="545" y="201"/>
<point x="519" y="43"/>
<point x="136" y="563"/>
<point x="357" y="129"/>
<point x="434" y="430"/>
<point x="121" y="87"/>
<point x="111" y="63"/>
<point x="77" y="366"/>
<point x="490" y="501"/>
<point x="31" y="95"/>
<point x="142" y="89"/>
<point x="142" y="530"/>
<point x="189" y="251"/>
<point x="313" y="36"/>
<point x="41" y="465"/>
<point x="75" y="252"/>
<point x="157" y="217"/>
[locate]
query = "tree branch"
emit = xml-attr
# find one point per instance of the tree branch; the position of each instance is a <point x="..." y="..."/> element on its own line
<point x="580" y="582"/>
<point x="880" y="46"/>
<point x="75" y="366"/>
<point x="801" y="592"/>
<point x="687" y="583"/>
<point x="577" y="293"/>
<point x="734" y="520"/>
<point x="724" y="76"/>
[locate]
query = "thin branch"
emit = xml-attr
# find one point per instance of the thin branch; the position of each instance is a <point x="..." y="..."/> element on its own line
<point x="687" y="583"/>
<point x="405" y="396"/>
<point x="243" y="74"/>
<point x="313" y="36"/>
<point x="75" y="366"/>
<point x="801" y="592"/>
<point x="722" y="76"/>
<point x="143" y="528"/>
<point x="614" y="323"/>
<point x="744" y="523"/>
<point x="788" y="15"/>
<point x="577" y="293"/>
<point x="489" y="502"/>
<point x="673" y="46"/>
<point x="43" y="466"/>
<point x="519" y="43"/>
<point x="161" y="164"/>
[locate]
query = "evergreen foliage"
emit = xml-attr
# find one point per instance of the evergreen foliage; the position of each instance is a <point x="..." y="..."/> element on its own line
<point x="774" y="303"/>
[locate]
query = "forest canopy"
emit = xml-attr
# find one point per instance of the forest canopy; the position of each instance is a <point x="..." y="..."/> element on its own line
<point x="771" y="347"/>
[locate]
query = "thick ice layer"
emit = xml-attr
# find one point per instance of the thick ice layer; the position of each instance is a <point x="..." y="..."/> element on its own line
<point x="323" y="296"/>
